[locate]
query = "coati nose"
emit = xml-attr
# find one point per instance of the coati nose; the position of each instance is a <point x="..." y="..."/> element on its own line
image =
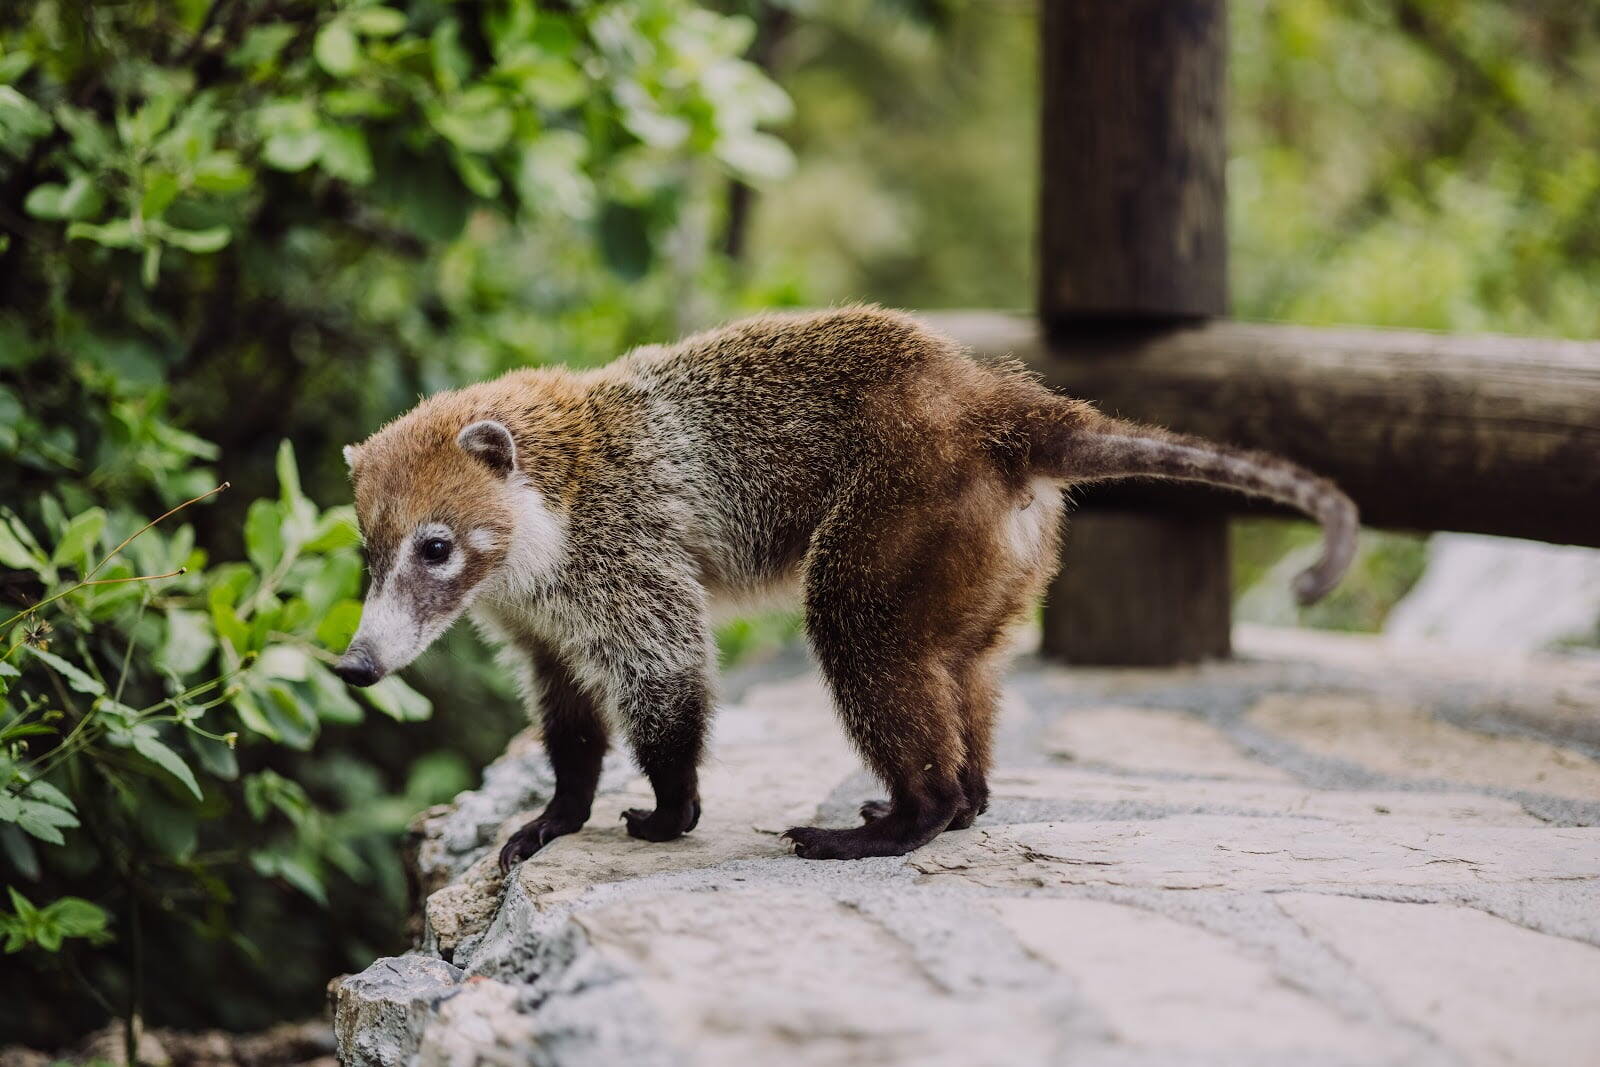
<point x="358" y="668"/>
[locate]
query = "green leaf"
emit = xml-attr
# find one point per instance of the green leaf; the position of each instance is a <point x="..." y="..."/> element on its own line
<point x="296" y="725"/>
<point x="80" y="537"/>
<point x="42" y="790"/>
<point x="47" y="814"/>
<point x="150" y="270"/>
<point x="288" y="472"/>
<point x="21" y="904"/>
<point x="76" y="917"/>
<point x="91" y="142"/>
<point x="14" y="65"/>
<point x="248" y="708"/>
<point x="221" y="172"/>
<point x="154" y="116"/>
<point x="262" y="44"/>
<point x="160" y="189"/>
<point x="398" y="700"/>
<point x="80" y="198"/>
<point x="118" y="233"/>
<point x="42" y="829"/>
<point x="162" y="756"/>
<point x="284" y="661"/>
<point x="189" y="642"/>
<point x="332" y="697"/>
<point x="205" y="241"/>
<point x="336" y="49"/>
<point x="274" y="865"/>
<point x="476" y="120"/>
<point x="338" y="626"/>
<point x="21" y="120"/>
<point x="476" y="175"/>
<point x="263" y="534"/>
<point x="14" y="554"/>
<point x="378" y="21"/>
<point x="75" y="678"/>
<point x="345" y="154"/>
<point x="214" y="757"/>
<point x="757" y="155"/>
<point x="292" y="150"/>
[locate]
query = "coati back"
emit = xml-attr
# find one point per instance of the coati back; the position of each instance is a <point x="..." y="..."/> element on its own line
<point x="910" y="494"/>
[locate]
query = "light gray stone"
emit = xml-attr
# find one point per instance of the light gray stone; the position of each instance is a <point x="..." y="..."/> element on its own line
<point x="1168" y="875"/>
<point x="380" y="1014"/>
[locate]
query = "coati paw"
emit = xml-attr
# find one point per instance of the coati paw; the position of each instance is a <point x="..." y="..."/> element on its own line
<point x="662" y="824"/>
<point x="873" y="810"/>
<point x="873" y="839"/>
<point x="533" y="836"/>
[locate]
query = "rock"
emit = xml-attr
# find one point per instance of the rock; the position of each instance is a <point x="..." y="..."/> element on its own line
<point x="1182" y="867"/>
<point x="381" y="1013"/>
<point x="1152" y="741"/>
<point x="1404" y="740"/>
<point x="1491" y="991"/>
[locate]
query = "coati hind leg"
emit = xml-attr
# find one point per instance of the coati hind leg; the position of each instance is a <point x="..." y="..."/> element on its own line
<point x="978" y="685"/>
<point x="575" y="741"/>
<point x="897" y="594"/>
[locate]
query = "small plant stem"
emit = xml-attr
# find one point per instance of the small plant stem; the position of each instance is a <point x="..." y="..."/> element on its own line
<point x="88" y="579"/>
<point x="165" y="515"/>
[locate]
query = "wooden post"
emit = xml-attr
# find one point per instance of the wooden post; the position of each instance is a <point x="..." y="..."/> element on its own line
<point x="1133" y="239"/>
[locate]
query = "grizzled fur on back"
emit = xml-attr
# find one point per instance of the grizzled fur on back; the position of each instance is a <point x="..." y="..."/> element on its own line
<point x="910" y="496"/>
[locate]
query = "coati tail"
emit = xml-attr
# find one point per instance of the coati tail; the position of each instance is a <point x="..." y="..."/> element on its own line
<point x="1075" y="443"/>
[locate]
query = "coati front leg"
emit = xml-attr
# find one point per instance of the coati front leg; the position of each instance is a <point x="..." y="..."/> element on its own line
<point x="575" y="741"/>
<point x="651" y="640"/>
<point x="666" y="723"/>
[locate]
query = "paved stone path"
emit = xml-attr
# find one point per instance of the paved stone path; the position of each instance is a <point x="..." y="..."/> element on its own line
<point x="1325" y="853"/>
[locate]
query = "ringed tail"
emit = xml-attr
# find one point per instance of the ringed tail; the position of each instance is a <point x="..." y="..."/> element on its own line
<point x="1071" y="441"/>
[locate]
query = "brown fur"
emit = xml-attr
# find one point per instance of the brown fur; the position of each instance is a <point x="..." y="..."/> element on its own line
<point x="912" y="493"/>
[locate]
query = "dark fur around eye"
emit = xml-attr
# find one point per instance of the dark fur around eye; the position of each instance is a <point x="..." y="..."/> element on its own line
<point x="434" y="550"/>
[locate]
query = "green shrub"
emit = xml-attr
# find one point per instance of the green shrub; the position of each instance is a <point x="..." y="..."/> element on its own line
<point x="233" y="222"/>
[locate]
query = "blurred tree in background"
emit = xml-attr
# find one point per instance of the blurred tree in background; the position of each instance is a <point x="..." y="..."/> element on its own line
<point x="227" y="223"/>
<point x="1403" y="163"/>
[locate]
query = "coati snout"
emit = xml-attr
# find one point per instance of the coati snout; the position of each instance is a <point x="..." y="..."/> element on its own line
<point x="912" y="495"/>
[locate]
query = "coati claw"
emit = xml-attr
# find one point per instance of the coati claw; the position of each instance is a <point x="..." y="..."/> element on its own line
<point x="662" y="824"/>
<point x="532" y="837"/>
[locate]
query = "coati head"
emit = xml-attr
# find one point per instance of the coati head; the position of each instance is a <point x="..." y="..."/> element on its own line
<point x="447" y="515"/>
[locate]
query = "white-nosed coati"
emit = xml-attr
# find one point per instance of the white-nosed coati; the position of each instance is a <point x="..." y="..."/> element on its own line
<point x="913" y="495"/>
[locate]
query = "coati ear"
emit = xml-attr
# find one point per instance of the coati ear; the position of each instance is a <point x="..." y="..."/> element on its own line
<point x="351" y="454"/>
<point x="490" y="443"/>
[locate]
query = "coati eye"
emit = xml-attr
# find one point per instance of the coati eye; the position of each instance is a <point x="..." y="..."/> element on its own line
<point x="434" y="550"/>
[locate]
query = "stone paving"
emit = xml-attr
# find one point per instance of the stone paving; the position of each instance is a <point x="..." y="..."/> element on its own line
<point x="1326" y="852"/>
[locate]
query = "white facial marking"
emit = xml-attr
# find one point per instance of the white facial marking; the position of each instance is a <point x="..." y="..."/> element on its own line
<point x="538" y="542"/>
<point x="390" y="629"/>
